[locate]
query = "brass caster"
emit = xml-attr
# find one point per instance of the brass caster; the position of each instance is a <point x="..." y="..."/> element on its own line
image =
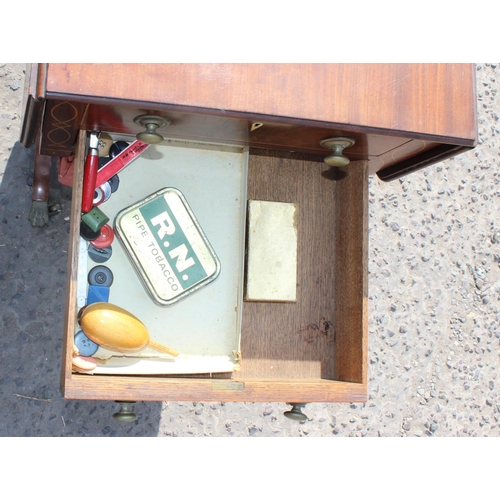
<point x="54" y="209"/>
<point x="337" y="144"/>
<point x="295" y="413"/>
<point x="151" y="122"/>
<point x="125" y="414"/>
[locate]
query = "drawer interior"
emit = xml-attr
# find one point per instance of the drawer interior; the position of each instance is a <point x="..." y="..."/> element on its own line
<point x="314" y="348"/>
<point x="204" y="326"/>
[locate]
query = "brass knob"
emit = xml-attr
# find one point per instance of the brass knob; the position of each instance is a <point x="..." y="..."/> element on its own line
<point x="125" y="414"/>
<point x="151" y="122"/>
<point x="295" y="413"/>
<point x="337" y="144"/>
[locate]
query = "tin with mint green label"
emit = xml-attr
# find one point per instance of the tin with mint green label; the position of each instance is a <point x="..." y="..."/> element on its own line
<point x="167" y="246"/>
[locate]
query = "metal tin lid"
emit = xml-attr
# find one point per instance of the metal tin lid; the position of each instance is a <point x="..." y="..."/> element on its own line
<point x="167" y="246"/>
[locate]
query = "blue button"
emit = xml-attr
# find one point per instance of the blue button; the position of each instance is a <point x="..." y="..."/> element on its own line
<point x="97" y="293"/>
<point x="100" y="255"/>
<point x="85" y="346"/>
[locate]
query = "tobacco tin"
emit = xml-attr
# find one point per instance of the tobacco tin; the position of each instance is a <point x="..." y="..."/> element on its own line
<point x="167" y="246"/>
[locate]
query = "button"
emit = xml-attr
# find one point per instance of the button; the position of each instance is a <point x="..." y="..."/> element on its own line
<point x="84" y="364"/>
<point x="105" y="239"/>
<point x="117" y="148"/>
<point x="100" y="275"/>
<point x="85" y="346"/>
<point x="114" y="182"/>
<point x="87" y="233"/>
<point x="105" y="142"/>
<point x="100" y="255"/>
<point x="102" y="161"/>
<point x="97" y="293"/>
<point x="95" y="219"/>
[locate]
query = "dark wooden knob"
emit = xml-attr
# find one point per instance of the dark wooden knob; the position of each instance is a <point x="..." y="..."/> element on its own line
<point x="295" y="413"/>
<point x="125" y="414"/>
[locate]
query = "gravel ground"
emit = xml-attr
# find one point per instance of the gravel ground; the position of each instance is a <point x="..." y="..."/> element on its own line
<point x="434" y="329"/>
<point x="12" y="79"/>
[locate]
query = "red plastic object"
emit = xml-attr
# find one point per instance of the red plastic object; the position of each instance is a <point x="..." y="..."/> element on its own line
<point x="65" y="169"/>
<point x="120" y="161"/>
<point x="105" y="239"/>
<point x="89" y="180"/>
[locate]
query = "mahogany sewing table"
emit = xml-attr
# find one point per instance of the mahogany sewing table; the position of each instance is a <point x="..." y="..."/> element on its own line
<point x="401" y="117"/>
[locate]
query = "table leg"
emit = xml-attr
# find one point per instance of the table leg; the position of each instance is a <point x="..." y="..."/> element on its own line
<point x="39" y="213"/>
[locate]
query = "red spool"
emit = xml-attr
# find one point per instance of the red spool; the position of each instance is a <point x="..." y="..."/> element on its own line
<point x="105" y="239"/>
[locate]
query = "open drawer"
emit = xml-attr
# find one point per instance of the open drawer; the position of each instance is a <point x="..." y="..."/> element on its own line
<point x="313" y="349"/>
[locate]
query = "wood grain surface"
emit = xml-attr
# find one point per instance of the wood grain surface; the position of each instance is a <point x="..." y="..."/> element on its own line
<point x="126" y="388"/>
<point x="72" y="274"/>
<point x="295" y="340"/>
<point x="351" y="273"/>
<point x="434" y="99"/>
<point x="403" y="117"/>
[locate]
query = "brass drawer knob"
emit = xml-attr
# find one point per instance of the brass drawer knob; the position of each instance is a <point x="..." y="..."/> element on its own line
<point x="125" y="414"/>
<point x="151" y="122"/>
<point x="296" y="412"/>
<point x="337" y="144"/>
